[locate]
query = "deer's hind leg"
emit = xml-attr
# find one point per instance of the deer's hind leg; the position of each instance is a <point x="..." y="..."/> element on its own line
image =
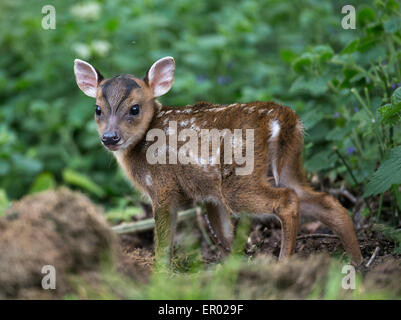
<point x="261" y="198"/>
<point x="328" y="210"/>
<point x="319" y="205"/>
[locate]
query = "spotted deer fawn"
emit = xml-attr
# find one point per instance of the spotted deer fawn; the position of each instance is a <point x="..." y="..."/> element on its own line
<point x="150" y="144"/>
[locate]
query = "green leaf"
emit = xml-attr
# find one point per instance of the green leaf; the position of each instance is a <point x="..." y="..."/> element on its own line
<point x="321" y="161"/>
<point x="351" y="48"/>
<point x="26" y="164"/>
<point x="396" y="96"/>
<point x="303" y="62"/>
<point x="4" y="202"/>
<point x="323" y="52"/>
<point x="4" y="167"/>
<point x="44" y="181"/>
<point x="112" y="24"/>
<point x="339" y="133"/>
<point x="390" y="114"/>
<point x="212" y="41"/>
<point x="391" y="233"/>
<point x="80" y="180"/>
<point x="393" y="25"/>
<point x="366" y="15"/>
<point x="117" y="215"/>
<point x="389" y="173"/>
<point x="288" y="55"/>
<point x="315" y="86"/>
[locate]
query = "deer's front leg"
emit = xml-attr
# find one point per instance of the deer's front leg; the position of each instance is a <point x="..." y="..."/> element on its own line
<point x="165" y="225"/>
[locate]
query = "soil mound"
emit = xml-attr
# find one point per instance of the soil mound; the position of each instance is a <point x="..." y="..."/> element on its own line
<point x="59" y="228"/>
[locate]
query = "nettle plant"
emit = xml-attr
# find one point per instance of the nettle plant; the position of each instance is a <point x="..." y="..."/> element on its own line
<point x="359" y="89"/>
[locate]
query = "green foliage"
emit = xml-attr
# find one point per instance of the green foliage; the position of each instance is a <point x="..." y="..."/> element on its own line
<point x="359" y="84"/>
<point x="4" y="202"/>
<point x="43" y="181"/>
<point x="391" y="233"/>
<point x="123" y="215"/>
<point x="77" y="179"/>
<point x="225" y="52"/>
<point x="391" y="112"/>
<point x="388" y="174"/>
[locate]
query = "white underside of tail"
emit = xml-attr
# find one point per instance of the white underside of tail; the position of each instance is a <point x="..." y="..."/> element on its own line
<point x="275" y="131"/>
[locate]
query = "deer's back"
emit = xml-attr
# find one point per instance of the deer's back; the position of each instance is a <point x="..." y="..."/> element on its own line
<point x="203" y="176"/>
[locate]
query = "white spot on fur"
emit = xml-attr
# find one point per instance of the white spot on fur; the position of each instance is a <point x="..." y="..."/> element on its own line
<point x="183" y="123"/>
<point x="161" y="114"/>
<point x="218" y="109"/>
<point x="187" y="111"/>
<point x="251" y="109"/>
<point x="169" y="111"/>
<point x="165" y="121"/>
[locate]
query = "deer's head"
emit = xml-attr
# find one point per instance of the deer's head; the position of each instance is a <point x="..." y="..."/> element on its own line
<point x="125" y="105"/>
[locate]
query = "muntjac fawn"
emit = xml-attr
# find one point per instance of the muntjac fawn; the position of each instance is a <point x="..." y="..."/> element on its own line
<point x="177" y="155"/>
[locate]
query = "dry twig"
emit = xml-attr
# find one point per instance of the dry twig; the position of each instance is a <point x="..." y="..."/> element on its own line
<point x="343" y="192"/>
<point x="317" y="235"/>
<point x="377" y="250"/>
<point x="149" y="224"/>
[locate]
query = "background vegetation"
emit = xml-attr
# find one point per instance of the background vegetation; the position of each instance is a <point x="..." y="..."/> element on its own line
<point x="344" y="84"/>
<point x="341" y="82"/>
<point x="292" y="52"/>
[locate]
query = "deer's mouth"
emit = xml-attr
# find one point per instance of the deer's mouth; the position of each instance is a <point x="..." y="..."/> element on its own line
<point x="113" y="147"/>
<point x="122" y="144"/>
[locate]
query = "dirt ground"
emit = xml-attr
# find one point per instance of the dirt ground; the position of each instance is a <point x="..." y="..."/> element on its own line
<point x="64" y="229"/>
<point x="314" y="249"/>
<point x="265" y="238"/>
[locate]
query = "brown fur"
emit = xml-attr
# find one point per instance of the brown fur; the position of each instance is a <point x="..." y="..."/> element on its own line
<point x="172" y="186"/>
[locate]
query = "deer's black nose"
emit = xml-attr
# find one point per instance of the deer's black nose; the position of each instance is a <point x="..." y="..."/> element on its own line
<point x="110" y="138"/>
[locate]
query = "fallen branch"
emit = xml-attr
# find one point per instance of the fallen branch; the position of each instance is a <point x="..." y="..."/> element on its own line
<point x="149" y="224"/>
<point x="317" y="235"/>
<point x="343" y="192"/>
<point x="373" y="257"/>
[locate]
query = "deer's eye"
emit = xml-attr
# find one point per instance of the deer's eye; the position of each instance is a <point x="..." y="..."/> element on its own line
<point x="98" y="111"/>
<point x="134" y="110"/>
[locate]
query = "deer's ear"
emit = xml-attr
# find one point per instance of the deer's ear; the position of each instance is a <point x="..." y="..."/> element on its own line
<point x="160" y="76"/>
<point x="87" y="77"/>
